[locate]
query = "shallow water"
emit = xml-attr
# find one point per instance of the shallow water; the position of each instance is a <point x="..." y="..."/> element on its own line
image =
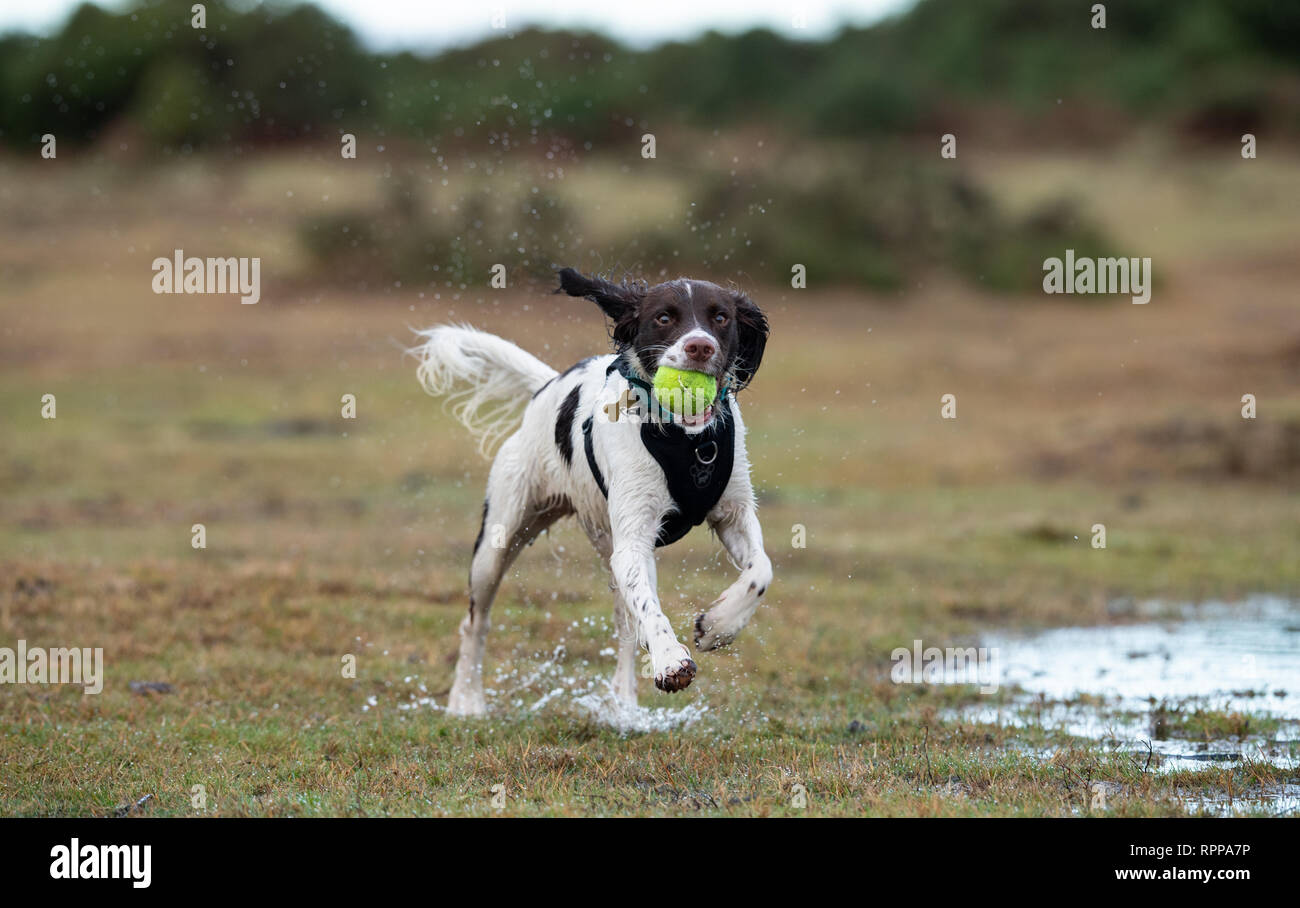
<point x="1243" y="657"/>
<point x="1106" y="683"/>
<point x="1284" y="800"/>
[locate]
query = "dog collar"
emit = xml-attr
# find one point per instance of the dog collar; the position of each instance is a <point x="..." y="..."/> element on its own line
<point x="624" y="368"/>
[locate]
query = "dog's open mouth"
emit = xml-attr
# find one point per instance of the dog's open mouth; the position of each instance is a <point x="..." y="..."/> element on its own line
<point x="701" y="419"/>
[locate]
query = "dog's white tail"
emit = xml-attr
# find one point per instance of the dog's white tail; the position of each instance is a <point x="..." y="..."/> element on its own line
<point x="496" y="378"/>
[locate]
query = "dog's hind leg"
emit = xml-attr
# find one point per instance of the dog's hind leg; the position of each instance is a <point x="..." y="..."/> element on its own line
<point x="625" y="625"/>
<point x="511" y="520"/>
<point x="486" y="568"/>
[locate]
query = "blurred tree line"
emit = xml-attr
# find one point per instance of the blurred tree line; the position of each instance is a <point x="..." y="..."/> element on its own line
<point x="270" y="74"/>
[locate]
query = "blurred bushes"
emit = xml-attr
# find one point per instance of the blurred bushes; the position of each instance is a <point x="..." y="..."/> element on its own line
<point x="412" y="239"/>
<point x="848" y="220"/>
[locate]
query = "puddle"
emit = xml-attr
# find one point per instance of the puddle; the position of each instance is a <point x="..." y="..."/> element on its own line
<point x="1281" y="801"/>
<point x="1237" y="658"/>
<point x="1145" y="689"/>
<point x="1132" y="735"/>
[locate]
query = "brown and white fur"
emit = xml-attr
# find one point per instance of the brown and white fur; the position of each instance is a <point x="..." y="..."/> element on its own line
<point x="541" y="473"/>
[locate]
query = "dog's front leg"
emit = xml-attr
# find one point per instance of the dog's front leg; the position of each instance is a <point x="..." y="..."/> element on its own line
<point x="633" y="566"/>
<point x="738" y="528"/>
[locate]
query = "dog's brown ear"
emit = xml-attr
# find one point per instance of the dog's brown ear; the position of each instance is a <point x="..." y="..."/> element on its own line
<point x="751" y="334"/>
<point x="621" y="302"/>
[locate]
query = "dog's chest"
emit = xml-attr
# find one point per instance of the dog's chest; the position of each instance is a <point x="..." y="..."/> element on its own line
<point x="696" y="470"/>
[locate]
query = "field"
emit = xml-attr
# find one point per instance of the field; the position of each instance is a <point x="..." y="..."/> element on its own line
<point x="328" y="537"/>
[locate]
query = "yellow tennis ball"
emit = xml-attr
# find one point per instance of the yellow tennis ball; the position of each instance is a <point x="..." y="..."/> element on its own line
<point x="684" y="393"/>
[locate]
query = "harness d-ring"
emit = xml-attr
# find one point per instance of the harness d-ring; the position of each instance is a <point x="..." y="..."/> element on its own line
<point x="711" y="459"/>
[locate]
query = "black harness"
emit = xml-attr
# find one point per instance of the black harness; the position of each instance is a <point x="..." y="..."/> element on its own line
<point x="696" y="467"/>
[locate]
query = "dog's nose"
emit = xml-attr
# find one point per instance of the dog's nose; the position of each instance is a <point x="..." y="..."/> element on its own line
<point x="699" y="350"/>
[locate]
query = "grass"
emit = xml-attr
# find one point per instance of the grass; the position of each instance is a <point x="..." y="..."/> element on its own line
<point x="1210" y="724"/>
<point x="329" y="537"/>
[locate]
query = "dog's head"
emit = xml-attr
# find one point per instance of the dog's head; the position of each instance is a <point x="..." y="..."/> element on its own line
<point x="685" y="324"/>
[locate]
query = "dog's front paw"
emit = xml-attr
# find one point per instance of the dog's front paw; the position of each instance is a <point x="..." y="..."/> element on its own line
<point x="708" y="636"/>
<point x="677" y="676"/>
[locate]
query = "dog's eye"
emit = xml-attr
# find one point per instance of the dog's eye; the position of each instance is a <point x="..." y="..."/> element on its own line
<point x="663" y="318"/>
<point x="720" y="318"/>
